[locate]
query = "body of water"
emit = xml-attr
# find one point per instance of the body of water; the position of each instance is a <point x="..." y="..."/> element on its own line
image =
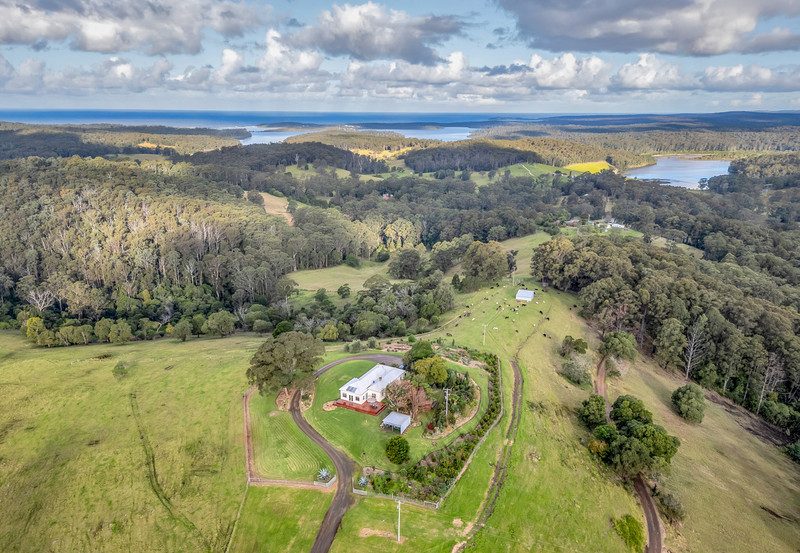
<point x="685" y="171"/>
<point x="275" y="126"/>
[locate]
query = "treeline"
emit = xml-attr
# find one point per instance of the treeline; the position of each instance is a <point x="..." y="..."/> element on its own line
<point x="363" y="140"/>
<point x="690" y="314"/>
<point x="775" y="170"/>
<point x="468" y="155"/>
<point x="268" y="157"/>
<point x="561" y="152"/>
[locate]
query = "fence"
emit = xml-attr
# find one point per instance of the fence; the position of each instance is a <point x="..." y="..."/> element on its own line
<point x="423" y="504"/>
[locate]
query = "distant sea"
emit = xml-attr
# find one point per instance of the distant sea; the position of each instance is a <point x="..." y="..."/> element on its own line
<point x="274" y="126"/>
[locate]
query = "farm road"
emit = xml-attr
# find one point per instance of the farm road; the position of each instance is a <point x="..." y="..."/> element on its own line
<point x="655" y="531"/>
<point x="344" y="465"/>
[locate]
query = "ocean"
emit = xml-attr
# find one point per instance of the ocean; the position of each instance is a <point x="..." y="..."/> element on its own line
<point x="274" y="126"/>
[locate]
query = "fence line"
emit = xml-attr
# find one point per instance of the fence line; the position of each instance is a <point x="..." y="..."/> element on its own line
<point x="423" y="504"/>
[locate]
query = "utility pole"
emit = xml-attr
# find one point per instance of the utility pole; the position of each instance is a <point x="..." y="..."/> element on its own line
<point x="398" y="521"/>
<point x="446" y="406"/>
<point x="484" y="334"/>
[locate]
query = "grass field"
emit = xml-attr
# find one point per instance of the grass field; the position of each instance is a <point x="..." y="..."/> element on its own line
<point x="72" y="459"/>
<point x="280" y="449"/>
<point x="589" y="166"/>
<point x="333" y="277"/>
<point x="729" y="480"/>
<point x="275" y="205"/>
<point x="556" y="497"/>
<point x="278" y="520"/>
<point x="359" y="434"/>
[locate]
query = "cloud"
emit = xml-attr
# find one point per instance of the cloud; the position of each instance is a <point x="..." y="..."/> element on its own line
<point x="752" y="78"/>
<point x="370" y="31"/>
<point x="153" y="27"/>
<point x="647" y="73"/>
<point x="693" y="27"/>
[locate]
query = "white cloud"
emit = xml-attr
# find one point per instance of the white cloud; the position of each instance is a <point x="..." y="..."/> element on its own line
<point x="153" y="27"/>
<point x="694" y="27"/>
<point x="752" y="78"/>
<point x="371" y="31"/>
<point x="647" y="73"/>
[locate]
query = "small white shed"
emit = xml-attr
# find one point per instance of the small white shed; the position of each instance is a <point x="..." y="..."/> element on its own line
<point x="397" y="421"/>
<point x="525" y="295"/>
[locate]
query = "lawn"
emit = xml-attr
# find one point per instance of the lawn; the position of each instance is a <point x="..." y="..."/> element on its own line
<point x="729" y="480"/>
<point x="280" y="448"/>
<point x="277" y="520"/>
<point x="359" y="434"/>
<point x="72" y="459"/>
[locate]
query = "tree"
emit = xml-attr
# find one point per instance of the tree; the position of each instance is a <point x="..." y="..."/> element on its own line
<point x="433" y="370"/>
<point x="628" y="408"/>
<point x="570" y="345"/>
<point x="281" y="327"/>
<point x="120" y="332"/>
<point x="221" y="323"/>
<point x="689" y="402"/>
<point x="617" y="344"/>
<point x="329" y="333"/>
<point x="397" y="450"/>
<point x="407" y="397"/>
<point x="198" y="324"/>
<point x="38" y="333"/>
<point x="283" y="361"/>
<point x="420" y="350"/>
<point x="102" y="328"/>
<point x="344" y="291"/>
<point x="773" y="374"/>
<point x="182" y="330"/>
<point x="670" y="343"/>
<point x="593" y="411"/>
<point x="696" y="345"/>
<point x="485" y="262"/>
<point x="406" y="264"/>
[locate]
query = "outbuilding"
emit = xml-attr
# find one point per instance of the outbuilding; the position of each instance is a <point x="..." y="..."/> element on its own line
<point x="396" y="421"/>
<point x="525" y="295"/>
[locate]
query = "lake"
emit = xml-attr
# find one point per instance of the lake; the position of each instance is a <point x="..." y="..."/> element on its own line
<point x="685" y="171"/>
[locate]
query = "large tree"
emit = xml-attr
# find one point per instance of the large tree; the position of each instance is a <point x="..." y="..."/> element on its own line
<point x="486" y="262"/>
<point x="284" y="361"/>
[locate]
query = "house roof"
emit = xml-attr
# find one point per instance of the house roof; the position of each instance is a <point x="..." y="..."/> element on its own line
<point x="526" y="295"/>
<point x="376" y="380"/>
<point x="397" y="420"/>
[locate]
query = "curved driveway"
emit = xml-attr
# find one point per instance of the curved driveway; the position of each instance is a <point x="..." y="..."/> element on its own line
<point x="343" y="464"/>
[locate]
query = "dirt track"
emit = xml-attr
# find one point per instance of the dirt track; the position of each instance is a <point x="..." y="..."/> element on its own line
<point x="655" y="531"/>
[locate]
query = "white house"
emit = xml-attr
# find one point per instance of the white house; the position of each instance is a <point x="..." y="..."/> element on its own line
<point x="371" y="386"/>
<point x="525" y="295"/>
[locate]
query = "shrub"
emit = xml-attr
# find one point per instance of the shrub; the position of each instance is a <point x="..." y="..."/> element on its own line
<point x="352" y="261"/>
<point x="575" y="372"/>
<point x="669" y="505"/>
<point x="593" y="411"/>
<point x="344" y="291"/>
<point x="281" y="327"/>
<point x="356" y="347"/>
<point x="397" y="450"/>
<point x="631" y="531"/>
<point x="221" y="323"/>
<point x="372" y="343"/>
<point x="261" y="326"/>
<point x="120" y="370"/>
<point x="793" y="451"/>
<point x="689" y="402"/>
<point x="323" y="475"/>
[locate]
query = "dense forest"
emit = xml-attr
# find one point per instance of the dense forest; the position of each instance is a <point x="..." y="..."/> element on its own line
<point x="470" y="156"/>
<point x="268" y="157"/>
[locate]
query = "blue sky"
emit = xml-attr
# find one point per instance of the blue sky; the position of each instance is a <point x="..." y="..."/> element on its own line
<point x="472" y="55"/>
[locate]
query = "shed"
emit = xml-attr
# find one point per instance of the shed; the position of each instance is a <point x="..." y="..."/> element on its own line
<point x="525" y="295"/>
<point x="397" y="421"/>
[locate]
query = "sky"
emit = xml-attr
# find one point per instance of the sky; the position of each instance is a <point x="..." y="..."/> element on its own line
<point x="527" y="56"/>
